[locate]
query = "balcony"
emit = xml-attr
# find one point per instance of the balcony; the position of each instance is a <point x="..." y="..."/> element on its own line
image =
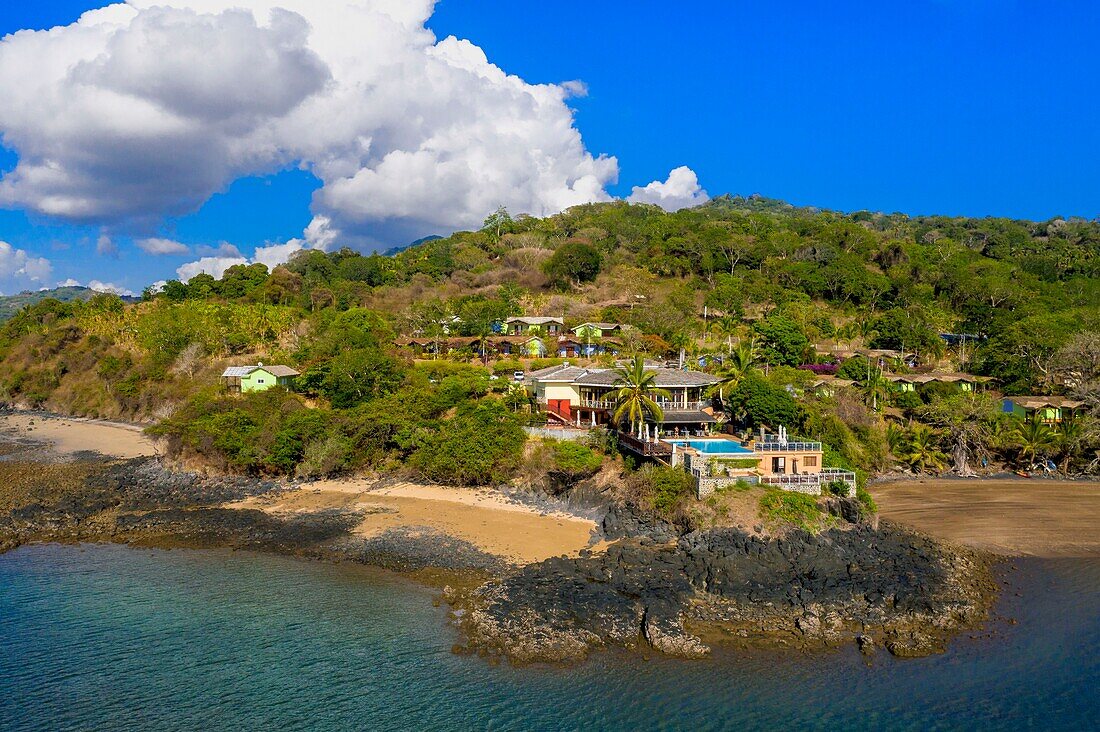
<point x="665" y="405"/>
<point x="787" y="447"/>
<point x="641" y="447"/>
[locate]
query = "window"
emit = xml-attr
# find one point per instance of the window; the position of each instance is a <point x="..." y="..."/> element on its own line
<point x="810" y="461"/>
<point x="259" y="381"/>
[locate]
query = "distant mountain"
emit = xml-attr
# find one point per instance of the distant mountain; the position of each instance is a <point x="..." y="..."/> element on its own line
<point x="12" y="304"/>
<point x="397" y="250"/>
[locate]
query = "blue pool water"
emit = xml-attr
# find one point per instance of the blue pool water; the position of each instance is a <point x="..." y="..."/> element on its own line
<point x="110" y="638"/>
<point x="714" y="447"/>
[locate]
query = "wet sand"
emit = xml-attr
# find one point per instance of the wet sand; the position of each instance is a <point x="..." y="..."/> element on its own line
<point x="71" y="436"/>
<point x="485" y="518"/>
<point x="1008" y="517"/>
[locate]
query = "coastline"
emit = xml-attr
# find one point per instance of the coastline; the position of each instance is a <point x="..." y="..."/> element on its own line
<point x="527" y="583"/>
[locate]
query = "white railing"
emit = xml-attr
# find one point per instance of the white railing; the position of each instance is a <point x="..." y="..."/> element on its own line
<point x="787" y="447"/>
<point x="664" y="405"/>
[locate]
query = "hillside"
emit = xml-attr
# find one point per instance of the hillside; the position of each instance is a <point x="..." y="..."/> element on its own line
<point x="752" y="289"/>
<point x="12" y="304"/>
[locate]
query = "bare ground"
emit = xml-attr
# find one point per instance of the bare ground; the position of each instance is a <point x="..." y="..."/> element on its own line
<point x="1007" y="517"/>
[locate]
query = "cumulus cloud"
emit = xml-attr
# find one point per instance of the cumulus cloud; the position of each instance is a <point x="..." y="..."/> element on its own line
<point x="681" y="190"/>
<point x="98" y="286"/>
<point x="145" y="109"/>
<point x="224" y="249"/>
<point x="20" y="270"/>
<point x="271" y="256"/>
<point x="110" y="287"/>
<point x="162" y="247"/>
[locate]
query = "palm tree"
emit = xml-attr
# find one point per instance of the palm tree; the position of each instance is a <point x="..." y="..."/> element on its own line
<point x="1034" y="438"/>
<point x="921" y="450"/>
<point x="1074" y="435"/>
<point x="874" y="388"/>
<point x="740" y="362"/>
<point x="634" y="399"/>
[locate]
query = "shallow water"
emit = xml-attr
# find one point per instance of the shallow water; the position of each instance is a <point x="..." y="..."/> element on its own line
<point x="111" y="638"/>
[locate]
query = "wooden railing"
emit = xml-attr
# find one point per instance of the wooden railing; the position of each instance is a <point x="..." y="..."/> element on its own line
<point x="642" y="447"/>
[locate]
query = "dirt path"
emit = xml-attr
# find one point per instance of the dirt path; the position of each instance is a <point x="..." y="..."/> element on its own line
<point x="69" y="436"/>
<point x="1012" y="517"/>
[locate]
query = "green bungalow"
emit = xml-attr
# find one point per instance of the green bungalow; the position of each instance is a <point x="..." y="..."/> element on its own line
<point x="1049" y="409"/>
<point x="244" y="379"/>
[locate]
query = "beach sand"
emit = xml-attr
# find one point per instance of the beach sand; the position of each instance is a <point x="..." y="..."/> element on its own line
<point x="70" y="436"/>
<point x="485" y="518"/>
<point x="1009" y="517"/>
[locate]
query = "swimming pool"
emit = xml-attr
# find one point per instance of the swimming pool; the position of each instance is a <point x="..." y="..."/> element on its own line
<point x="713" y="447"/>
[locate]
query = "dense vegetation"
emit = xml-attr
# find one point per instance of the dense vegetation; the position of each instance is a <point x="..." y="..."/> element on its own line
<point x="760" y="292"/>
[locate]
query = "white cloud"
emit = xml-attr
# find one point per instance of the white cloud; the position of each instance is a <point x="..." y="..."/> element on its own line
<point x="213" y="266"/>
<point x="145" y="109"/>
<point x="272" y="256"/>
<point x="681" y="190"/>
<point x="162" y="247"/>
<point x="21" y="271"/>
<point x="99" y="287"/>
<point x="109" y="287"/>
<point x="104" y="246"/>
<point x="224" y="249"/>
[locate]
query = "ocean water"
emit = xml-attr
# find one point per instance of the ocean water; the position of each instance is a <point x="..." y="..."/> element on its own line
<point x="112" y="638"/>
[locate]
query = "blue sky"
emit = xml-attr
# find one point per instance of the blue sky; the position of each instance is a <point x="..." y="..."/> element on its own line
<point x="972" y="107"/>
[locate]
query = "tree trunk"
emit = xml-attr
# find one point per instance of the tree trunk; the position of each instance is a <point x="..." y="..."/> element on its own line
<point x="961" y="453"/>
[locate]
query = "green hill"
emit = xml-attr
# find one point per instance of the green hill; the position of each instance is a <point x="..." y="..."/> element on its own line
<point x="787" y="292"/>
<point x="11" y="304"/>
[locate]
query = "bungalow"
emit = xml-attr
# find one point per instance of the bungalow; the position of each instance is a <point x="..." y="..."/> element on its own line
<point x="521" y="346"/>
<point x="593" y="331"/>
<point x="910" y="382"/>
<point x="582" y="348"/>
<point x="826" y="386"/>
<point x="535" y="326"/>
<point x="244" y="379"/>
<point x="880" y="356"/>
<point x="585" y="396"/>
<point x="1050" y="410"/>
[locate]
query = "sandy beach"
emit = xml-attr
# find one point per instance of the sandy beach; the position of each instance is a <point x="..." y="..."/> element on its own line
<point x="71" y="436"/>
<point x="485" y="518"/>
<point x="1009" y="517"/>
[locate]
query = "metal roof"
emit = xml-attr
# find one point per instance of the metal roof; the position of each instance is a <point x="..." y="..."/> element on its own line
<point x="664" y="378"/>
<point x="239" y="372"/>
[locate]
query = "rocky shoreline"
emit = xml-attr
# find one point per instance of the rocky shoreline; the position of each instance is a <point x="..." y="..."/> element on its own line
<point x="881" y="587"/>
<point x="653" y="587"/>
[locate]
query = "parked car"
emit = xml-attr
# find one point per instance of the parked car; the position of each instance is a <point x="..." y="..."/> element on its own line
<point x="518" y="375"/>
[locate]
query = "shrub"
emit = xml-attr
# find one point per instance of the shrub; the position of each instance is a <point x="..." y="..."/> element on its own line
<point x="792" y="509"/>
<point x="574" y="459"/>
<point x="480" y="445"/>
<point x="665" y="487"/>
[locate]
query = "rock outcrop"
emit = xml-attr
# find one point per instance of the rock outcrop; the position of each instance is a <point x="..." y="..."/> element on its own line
<point x="800" y="590"/>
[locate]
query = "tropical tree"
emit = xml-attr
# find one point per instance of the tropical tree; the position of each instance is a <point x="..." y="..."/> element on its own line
<point x="740" y="362"/>
<point x="634" y="399"/>
<point x="516" y="395"/>
<point x="1075" y="436"/>
<point x="1034" y="439"/>
<point x="874" y="388"/>
<point x="921" y="451"/>
<point x="970" y="421"/>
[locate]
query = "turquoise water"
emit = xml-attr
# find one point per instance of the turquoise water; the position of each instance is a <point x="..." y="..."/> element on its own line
<point x="716" y="447"/>
<point x="110" y="638"/>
